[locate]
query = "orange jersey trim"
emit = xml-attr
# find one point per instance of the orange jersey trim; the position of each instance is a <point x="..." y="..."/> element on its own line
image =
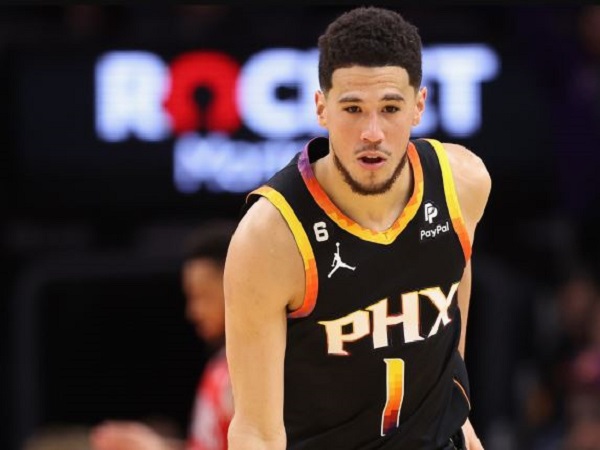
<point x="464" y="392"/>
<point x="379" y="237"/>
<point x="452" y="199"/>
<point x="306" y="251"/>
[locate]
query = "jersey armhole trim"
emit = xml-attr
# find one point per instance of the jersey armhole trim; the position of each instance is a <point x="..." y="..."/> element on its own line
<point x="463" y="392"/>
<point x="458" y="222"/>
<point x="311" y="278"/>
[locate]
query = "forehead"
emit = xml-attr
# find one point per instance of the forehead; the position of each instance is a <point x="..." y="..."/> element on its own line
<point x="360" y="79"/>
<point x="202" y="269"/>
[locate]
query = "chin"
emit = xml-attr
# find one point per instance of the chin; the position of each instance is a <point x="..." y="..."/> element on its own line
<point x="213" y="342"/>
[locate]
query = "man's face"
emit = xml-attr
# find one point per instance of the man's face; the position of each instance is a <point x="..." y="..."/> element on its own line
<point x="369" y="113"/>
<point x="202" y="281"/>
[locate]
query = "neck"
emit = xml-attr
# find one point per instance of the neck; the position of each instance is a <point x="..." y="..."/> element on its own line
<point x="374" y="212"/>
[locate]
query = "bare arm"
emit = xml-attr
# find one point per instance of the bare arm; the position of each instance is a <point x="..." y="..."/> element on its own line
<point x="473" y="185"/>
<point x="263" y="275"/>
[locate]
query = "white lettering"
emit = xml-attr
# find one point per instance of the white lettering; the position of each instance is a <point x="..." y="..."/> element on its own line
<point x="260" y="107"/>
<point x="442" y="303"/>
<point x="130" y="87"/>
<point x="440" y="228"/>
<point x="409" y="317"/>
<point x="335" y="335"/>
<point x="221" y="164"/>
<point x="459" y="70"/>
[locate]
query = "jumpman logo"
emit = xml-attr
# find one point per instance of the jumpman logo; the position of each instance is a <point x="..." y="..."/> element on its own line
<point x="337" y="262"/>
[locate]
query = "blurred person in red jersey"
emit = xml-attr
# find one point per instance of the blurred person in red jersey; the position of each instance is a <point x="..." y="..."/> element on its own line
<point x="202" y="283"/>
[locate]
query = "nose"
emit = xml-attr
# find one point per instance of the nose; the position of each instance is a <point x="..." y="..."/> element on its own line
<point x="194" y="310"/>
<point x="372" y="132"/>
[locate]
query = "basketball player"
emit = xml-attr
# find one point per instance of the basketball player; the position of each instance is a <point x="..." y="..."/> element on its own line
<point x="347" y="282"/>
<point x="202" y="281"/>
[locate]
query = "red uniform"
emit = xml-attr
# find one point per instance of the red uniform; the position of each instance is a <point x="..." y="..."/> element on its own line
<point x="213" y="408"/>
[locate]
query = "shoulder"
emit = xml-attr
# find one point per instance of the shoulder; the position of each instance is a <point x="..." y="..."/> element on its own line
<point x="264" y="229"/>
<point x="471" y="178"/>
<point x="263" y="252"/>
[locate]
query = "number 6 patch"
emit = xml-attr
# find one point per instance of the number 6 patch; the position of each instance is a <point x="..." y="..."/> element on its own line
<point x="321" y="233"/>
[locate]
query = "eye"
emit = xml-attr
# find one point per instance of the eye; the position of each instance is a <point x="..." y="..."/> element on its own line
<point x="352" y="109"/>
<point x="390" y="109"/>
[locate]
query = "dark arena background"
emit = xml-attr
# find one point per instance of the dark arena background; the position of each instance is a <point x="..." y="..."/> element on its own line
<point x="126" y="126"/>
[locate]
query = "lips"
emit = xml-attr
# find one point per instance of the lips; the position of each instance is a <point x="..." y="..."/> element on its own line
<point x="371" y="161"/>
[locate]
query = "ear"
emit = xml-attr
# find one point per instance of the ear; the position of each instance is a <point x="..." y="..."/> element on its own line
<point x="419" y="106"/>
<point x="321" y="110"/>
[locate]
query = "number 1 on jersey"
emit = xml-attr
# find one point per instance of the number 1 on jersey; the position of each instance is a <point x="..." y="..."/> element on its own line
<point x="390" y="418"/>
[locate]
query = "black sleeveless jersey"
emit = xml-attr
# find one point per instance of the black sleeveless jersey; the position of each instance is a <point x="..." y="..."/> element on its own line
<point x="371" y="359"/>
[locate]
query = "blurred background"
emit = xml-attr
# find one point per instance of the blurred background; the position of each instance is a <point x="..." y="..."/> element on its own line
<point x="123" y="127"/>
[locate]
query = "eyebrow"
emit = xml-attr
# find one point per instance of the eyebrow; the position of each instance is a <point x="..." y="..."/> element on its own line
<point x="386" y="97"/>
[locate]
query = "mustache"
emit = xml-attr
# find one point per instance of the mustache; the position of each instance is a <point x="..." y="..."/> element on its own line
<point x="372" y="148"/>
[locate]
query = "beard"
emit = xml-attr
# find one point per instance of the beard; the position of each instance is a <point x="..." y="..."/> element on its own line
<point x="364" y="188"/>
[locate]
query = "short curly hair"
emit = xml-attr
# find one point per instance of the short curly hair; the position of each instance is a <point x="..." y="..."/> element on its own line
<point x="370" y="37"/>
